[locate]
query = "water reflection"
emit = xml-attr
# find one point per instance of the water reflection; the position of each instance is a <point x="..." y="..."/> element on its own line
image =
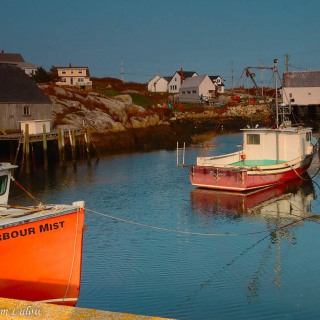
<point x="281" y="209"/>
<point x="284" y="201"/>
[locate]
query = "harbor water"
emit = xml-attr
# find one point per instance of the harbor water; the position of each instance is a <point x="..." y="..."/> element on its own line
<point x="157" y="246"/>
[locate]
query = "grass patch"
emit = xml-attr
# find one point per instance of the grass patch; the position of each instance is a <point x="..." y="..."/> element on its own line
<point x="142" y="100"/>
<point x="108" y="92"/>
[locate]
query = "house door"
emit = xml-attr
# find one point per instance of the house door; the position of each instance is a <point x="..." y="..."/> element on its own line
<point x="71" y="81"/>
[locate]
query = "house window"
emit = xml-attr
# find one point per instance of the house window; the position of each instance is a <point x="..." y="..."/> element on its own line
<point x="253" y="138"/>
<point x="290" y="95"/>
<point x="26" y="110"/>
<point x="63" y="80"/>
<point x="309" y="93"/>
<point x="80" y="80"/>
<point x="80" y="71"/>
<point x="71" y="71"/>
<point x="63" y="72"/>
<point x="194" y="91"/>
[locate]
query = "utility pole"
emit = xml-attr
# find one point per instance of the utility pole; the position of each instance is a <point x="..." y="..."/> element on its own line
<point x="232" y="75"/>
<point x="287" y="62"/>
<point x="261" y="75"/>
<point x="122" y="70"/>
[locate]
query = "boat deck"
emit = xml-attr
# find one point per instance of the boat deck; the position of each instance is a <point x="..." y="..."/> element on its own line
<point x="255" y="163"/>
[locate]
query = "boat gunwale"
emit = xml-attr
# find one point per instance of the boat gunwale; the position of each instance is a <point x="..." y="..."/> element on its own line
<point x="7" y="222"/>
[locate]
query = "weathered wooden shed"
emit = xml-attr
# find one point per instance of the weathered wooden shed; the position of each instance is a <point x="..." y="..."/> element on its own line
<point x="20" y="99"/>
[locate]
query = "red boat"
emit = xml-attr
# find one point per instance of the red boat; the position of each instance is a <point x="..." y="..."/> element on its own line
<point x="269" y="156"/>
<point x="40" y="248"/>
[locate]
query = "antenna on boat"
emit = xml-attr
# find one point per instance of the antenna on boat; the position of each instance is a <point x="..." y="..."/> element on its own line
<point x="275" y="73"/>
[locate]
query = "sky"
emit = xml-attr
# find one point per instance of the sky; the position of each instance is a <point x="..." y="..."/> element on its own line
<point x="135" y="40"/>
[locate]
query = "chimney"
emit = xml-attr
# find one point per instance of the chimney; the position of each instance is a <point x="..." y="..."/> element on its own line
<point x="181" y="76"/>
<point x="2" y="51"/>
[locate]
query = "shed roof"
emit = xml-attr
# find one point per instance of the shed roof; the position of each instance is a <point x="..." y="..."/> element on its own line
<point x="11" y="57"/>
<point x="301" y="79"/>
<point x="193" y="81"/>
<point x="17" y="87"/>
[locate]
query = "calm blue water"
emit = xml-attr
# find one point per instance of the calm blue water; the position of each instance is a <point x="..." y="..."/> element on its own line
<point x="208" y="255"/>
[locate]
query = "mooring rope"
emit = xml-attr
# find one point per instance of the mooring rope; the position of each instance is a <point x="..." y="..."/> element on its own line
<point x="198" y="233"/>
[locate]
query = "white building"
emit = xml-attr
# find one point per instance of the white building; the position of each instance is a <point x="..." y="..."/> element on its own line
<point x="197" y="88"/>
<point x="301" y="88"/>
<point x="158" y="84"/>
<point x="217" y="81"/>
<point x="178" y="78"/>
<point x="17" y="59"/>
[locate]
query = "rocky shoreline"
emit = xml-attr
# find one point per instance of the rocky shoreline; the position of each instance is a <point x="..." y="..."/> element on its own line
<point x="117" y="125"/>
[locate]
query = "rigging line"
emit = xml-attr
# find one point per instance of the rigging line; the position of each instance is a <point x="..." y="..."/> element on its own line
<point x="229" y="264"/>
<point x="27" y="192"/>
<point x="199" y="233"/>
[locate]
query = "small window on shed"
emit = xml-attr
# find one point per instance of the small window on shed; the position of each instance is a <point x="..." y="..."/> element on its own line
<point x="26" y="110"/>
<point x="308" y="136"/>
<point x="253" y="138"/>
<point x="3" y="184"/>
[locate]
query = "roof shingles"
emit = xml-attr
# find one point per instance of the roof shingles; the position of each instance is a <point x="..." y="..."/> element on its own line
<point x="17" y="87"/>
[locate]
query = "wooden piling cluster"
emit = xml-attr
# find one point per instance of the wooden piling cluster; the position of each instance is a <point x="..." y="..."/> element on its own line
<point x="72" y="138"/>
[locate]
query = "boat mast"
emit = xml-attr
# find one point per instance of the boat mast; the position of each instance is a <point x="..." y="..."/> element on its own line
<point x="275" y="74"/>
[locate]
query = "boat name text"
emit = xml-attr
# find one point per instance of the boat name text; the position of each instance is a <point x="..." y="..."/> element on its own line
<point x="31" y="230"/>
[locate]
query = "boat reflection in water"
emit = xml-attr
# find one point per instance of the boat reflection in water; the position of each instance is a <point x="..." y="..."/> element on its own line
<point x="282" y="208"/>
<point x="286" y="201"/>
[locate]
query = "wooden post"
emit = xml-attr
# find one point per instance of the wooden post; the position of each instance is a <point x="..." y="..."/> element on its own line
<point x="45" y="147"/>
<point x="73" y="145"/>
<point x="87" y="140"/>
<point x="61" y="145"/>
<point x="27" y="148"/>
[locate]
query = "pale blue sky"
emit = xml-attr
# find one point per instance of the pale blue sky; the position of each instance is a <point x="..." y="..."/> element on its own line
<point x="161" y="36"/>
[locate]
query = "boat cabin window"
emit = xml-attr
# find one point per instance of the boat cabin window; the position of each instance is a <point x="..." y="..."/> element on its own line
<point x="308" y="136"/>
<point x="253" y="138"/>
<point x="3" y="184"/>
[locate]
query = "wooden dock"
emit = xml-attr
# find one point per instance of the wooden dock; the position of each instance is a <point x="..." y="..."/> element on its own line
<point x="74" y="139"/>
<point x="18" y="309"/>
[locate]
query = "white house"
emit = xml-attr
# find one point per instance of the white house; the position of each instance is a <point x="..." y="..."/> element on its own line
<point x="17" y="59"/>
<point x="301" y="88"/>
<point x="196" y="88"/>
<point x="217" y="81"/>
<point x="178" y="78"/>
<point x="158" y="84"/>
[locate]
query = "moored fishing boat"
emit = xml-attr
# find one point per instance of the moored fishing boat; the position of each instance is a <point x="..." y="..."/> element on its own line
<point x="268" y="156"/>
<point x="40" y="248"/>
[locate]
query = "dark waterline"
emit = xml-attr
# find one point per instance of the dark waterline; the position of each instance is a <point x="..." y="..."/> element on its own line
<point x="191" y="254"/>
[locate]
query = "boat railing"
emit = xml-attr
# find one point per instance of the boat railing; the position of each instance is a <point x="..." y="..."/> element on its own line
<point x="259" y="167"/>
<point x="225" y="159"/>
